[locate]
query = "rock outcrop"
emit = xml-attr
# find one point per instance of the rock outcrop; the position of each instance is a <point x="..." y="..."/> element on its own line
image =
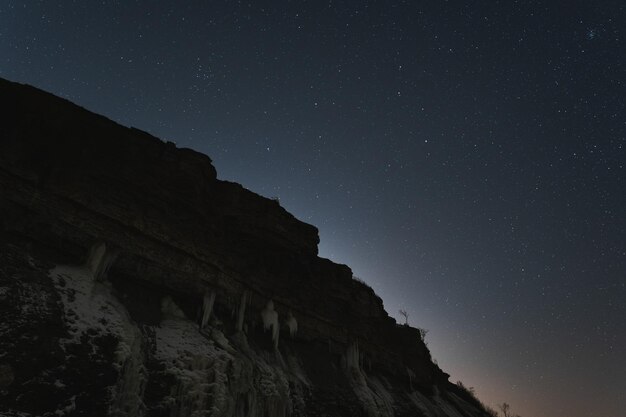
<point x="134" y="282"/>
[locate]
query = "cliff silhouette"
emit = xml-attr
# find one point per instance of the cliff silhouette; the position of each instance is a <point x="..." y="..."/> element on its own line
<point x="134" y="282"/>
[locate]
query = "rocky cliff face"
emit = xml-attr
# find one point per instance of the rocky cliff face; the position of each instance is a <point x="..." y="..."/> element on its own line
<point x="133" y="282"/>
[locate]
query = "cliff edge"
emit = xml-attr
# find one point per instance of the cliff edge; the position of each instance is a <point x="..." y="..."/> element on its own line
<point x="134" y="282"/>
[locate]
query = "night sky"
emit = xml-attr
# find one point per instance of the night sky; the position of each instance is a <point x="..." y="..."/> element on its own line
<point x="466" y="159"/>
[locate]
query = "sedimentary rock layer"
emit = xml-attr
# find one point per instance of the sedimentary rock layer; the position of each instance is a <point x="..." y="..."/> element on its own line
<point x="193" y="295"/>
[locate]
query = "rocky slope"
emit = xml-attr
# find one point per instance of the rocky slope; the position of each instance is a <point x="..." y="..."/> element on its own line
<point x="134" y="282"/>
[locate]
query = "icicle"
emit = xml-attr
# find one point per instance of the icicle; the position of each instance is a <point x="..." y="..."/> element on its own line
<point x="292" y="324"/>
<point x="99" y="260"/>
<point x="96" y="253"/>
<point x="241" y="312"/>
<point x="352" y="356"/>
<point x="411" y="376"/>
<point x="270" y="320"/>
<point x="207" y="308"/>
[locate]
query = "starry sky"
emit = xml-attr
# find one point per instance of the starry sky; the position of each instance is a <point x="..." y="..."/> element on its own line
<point x="466" y="159"/>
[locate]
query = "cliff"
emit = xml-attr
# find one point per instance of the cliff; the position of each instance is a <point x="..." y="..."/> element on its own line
<point x="134" y="282"/>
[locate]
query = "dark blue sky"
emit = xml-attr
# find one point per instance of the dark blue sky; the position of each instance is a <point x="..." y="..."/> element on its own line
<point x="466" y="159"/>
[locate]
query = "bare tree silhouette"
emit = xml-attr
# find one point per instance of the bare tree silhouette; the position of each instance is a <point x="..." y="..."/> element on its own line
<point x="506" y="410"/>
<point x="404" y="314"/>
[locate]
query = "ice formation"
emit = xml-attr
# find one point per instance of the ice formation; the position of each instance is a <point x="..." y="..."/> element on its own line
<point x="214" y="374"/>
<point x="371" y="392"/>
<point x="270" y="321"/>
<point x="411" y="375"/>
<point x="241" y="312"/>
<point x="292" y="325"/>
<point x="199" y="368"/>
<point x="100" y="260"/>
<point x="213" y="381"/>
<point x="207" y="308"/>
<point x="127" y="399"/>
<point x="352" y="356"/>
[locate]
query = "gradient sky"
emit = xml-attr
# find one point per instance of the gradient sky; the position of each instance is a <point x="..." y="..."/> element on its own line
<point x="466" y="159"/>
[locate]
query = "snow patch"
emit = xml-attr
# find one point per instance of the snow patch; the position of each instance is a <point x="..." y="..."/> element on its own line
<point x="91" y="310"/>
